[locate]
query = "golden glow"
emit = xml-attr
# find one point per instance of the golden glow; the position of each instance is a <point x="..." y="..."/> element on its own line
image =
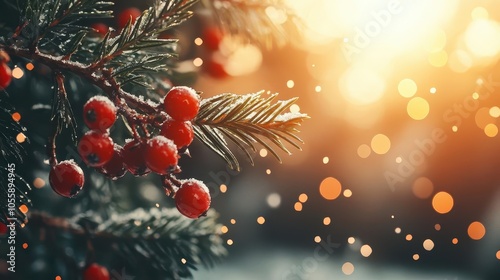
<point x="454" y="128"/>
<point x="442" y="202"/>
<point x="25" y="246"/>
<point x="498" y="255"/>
<point x="479" y="13"/>
<point x="397" y="230"/>
<point x="317" y="239"/>
<point x="364" y="151"/>
<point x="481" y="38"/>
<point x="437" y="227"/>
<point x="370" y="90"/>
<point x="433" y="90"/>
<point x="491" y="130"/>
<point x="409" y="237"/>
<point x="348" y="268"/>
<point x="428" y="244"/>
<point x="418" y="108"/>
<point x="327" y="221"/>
<point x="16" y="116"/>
<point x="261" y="220"/>
<point x="268" y="171"/>
<point x="438" y="59"/>
<point x="317" y="89"/>
<point x="38" y="183"/>
<point x="436" y="41"/>
<point x="242" y="59"/>
<point x="21" y="137"/>
<point x="17" y="73"/>
<point x="183" y="261"/>
<point x="303" y="197"/>
<point x="290" y="84"/>
<point x="229" y="242"/>
<point x="454" y="241"/>
<point x="460" y="61"/>
<point x="422" y="187"/>
<point x="380" y="144"/>
<point x="399" y="160"/>
<point x="223" y="188"/>
<point x="476" y="230"/>
<point x="475" y="96"/>
<point x="366" y="250"/>
<point x="58" y="278"/>
<point x="351" y="240"/>
<point x="330" y="188"/>
<point x="407" y="88"/>
<point x="224" y="229"/>
<point x="297" y="206"/>
<point x="233" y="221"/>
<point x="416" y="257"/>
<point x="347" y="193"/>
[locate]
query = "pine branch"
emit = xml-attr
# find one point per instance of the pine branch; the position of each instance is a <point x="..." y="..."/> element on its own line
<point x="144" y="238"/>
<point x="246" y="120"/>
<point x="264" y="22"/>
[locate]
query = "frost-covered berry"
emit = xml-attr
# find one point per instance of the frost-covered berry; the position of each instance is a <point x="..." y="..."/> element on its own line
<point x="96" y="148"/>
<point x="115" y="167"/>
<point x="96" y="272"/>
<point x="192" y="199"/>
<point x="182" y="103"/>
<point x="133" y="156"/>
<point x="181" y="132"/>
<point x="66" y="178"/>
<point x="99" y="113"/>
<point x="161" y="155"/>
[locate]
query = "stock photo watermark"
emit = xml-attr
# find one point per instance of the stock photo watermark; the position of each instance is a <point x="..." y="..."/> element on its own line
<point x="321" y="253"/>
<point x="363" y="37"/>
<point x="11" y="219"/>
<point x="425" y="147"/>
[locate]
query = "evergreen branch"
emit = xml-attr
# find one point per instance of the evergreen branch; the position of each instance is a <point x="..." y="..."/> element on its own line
<point x="154" y="237"/>
<point x="10" y="149"/>
<point x="264" y="22"/>
<point x="246" y="120"/>
<point x="12" y="183"/>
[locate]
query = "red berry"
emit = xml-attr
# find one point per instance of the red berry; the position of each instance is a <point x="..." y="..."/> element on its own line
<point x="212" y="36"/>
<point x="100" y="28"/>
<point x="182" y="103"/>
<point x="96" y="272"/>
<point x="66" y="178"/>
<point x="126" y="15"/>
<point x="215" y="69"/>
<point x="96" y="148"/>
<point x="133" y="157"/>
<point x="192" y="199"/>
<point x="5" y="76"/>
<point x="99" y="113"/>
<point x="181" y="132"/>
<point x="4" y="57"/>
<point x="161" y="155"/>
<point x="114" y="168"/>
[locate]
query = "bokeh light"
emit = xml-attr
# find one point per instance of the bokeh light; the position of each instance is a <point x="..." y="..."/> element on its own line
<point x="422" y="187"/>
<point x="330" y="188"/>
<point x="364" y="151"/>
<point x="476" y="230"/>
<point x="366" y="250"/>
<point x="428" y="244"/>
<point x="481" y="38"/>
<point x="442" y="202"/>
<point x="418" y="108"/>
<point x="348" y="268"/>
<point x="380" y="144"/>
<point x="369" y="91"/>
<point x="407" y="88"/>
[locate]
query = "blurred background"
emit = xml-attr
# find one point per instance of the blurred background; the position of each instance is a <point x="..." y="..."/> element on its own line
<point x="398" y="177"/>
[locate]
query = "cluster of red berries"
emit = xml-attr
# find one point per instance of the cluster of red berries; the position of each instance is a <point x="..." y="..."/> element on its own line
<point x="5" y="71"/>
<point x="158" y="154"/>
